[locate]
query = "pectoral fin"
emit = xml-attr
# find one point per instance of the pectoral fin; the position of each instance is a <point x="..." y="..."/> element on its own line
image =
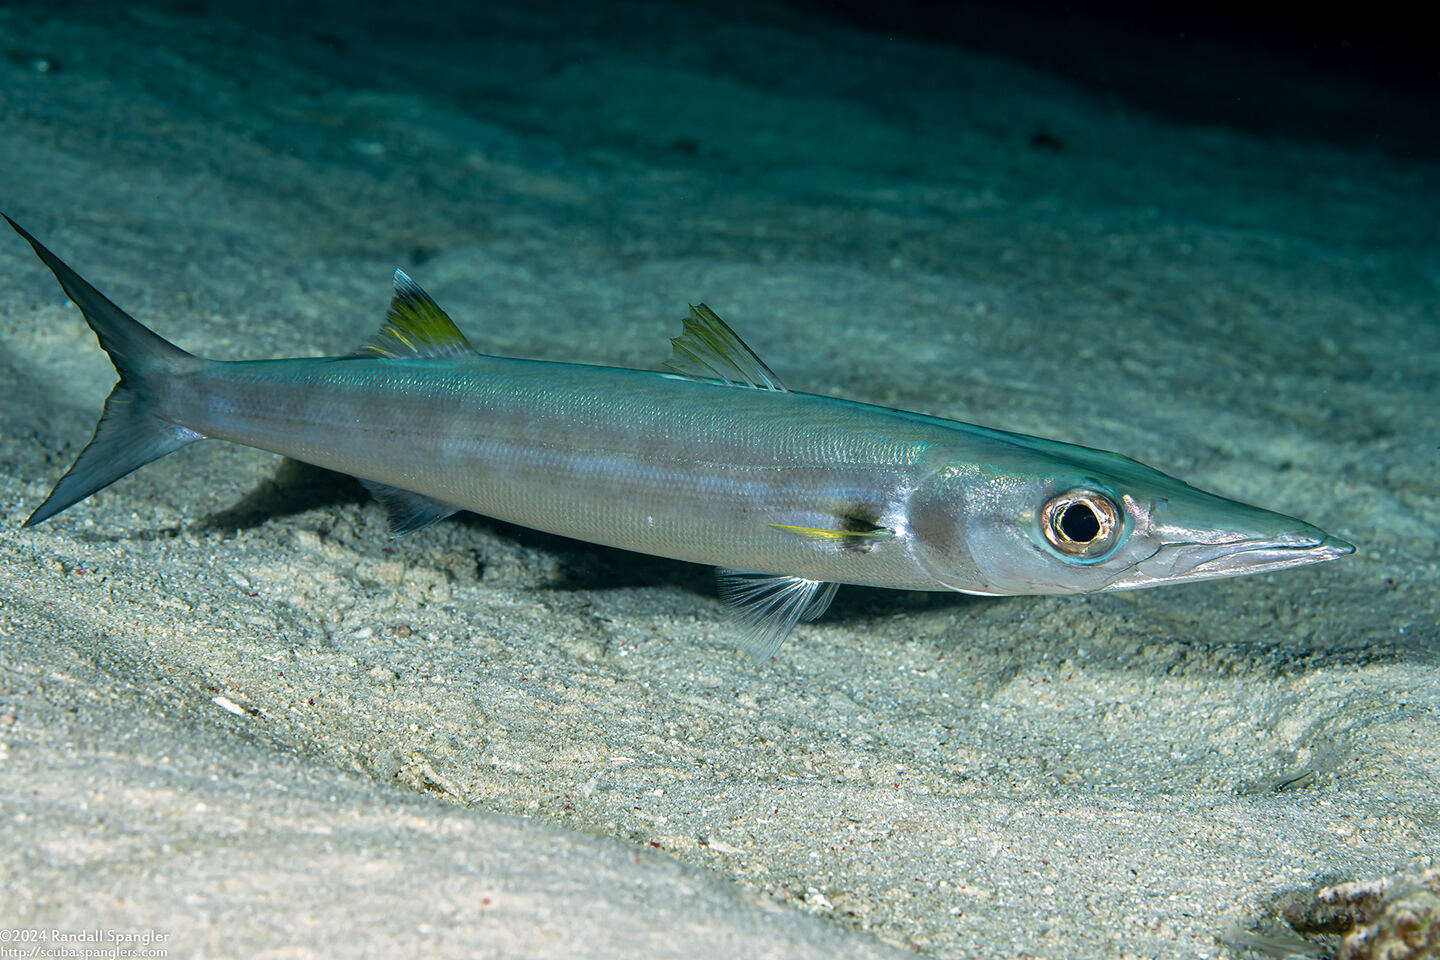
<point x="767" y="606"/>
<point x="861" y="539"/>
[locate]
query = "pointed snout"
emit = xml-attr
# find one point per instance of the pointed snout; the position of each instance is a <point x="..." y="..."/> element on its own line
<point x="1223" y="538"/>
<point x="1259" y="554"/>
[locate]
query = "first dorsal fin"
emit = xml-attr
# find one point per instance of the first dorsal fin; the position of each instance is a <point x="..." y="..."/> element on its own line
<point x="415" y="327"/>
<point x="709" y="350"/>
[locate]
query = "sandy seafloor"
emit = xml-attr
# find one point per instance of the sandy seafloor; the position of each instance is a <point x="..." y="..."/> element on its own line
<point x="234" y="712"/>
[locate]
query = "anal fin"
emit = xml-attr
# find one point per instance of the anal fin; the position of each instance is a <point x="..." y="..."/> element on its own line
<point x="767" y="606"/>
<point x="407" y="511"/>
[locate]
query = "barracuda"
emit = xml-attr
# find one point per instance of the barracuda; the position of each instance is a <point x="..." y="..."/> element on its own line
<point x="713" y="462"/>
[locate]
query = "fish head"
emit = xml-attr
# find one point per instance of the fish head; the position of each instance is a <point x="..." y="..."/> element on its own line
<point x="1053" y="518"/>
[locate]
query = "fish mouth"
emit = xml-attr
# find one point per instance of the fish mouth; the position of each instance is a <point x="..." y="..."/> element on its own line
<point x="1185" y="561"/>
<point x="1201" y="561"/>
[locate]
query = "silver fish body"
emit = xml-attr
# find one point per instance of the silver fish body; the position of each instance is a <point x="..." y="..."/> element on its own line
<point x="788" y="493"/>
<point x="651" y="462"/>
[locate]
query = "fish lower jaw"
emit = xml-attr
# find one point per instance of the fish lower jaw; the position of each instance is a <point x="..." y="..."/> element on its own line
<point x="1261" y="556"/>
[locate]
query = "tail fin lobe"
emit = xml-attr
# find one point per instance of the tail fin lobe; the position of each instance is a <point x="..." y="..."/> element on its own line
<point x="126" y="438"/>
<point x="133" y="347"/>
<point x="131" y="432"/>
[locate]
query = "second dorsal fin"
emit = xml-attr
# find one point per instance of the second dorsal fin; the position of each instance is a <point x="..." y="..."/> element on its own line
<point x="415" y="327"/>
<point x="709" y="350"/>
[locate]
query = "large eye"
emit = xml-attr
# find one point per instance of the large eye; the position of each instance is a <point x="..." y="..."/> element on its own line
<point x="1081" y="523"/>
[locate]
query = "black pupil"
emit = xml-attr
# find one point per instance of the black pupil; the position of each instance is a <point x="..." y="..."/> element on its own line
<point x="1079" y="523"/>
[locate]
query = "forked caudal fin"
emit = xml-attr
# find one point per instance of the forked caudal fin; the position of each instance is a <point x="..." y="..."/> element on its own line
<point x="130" y="433"/>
